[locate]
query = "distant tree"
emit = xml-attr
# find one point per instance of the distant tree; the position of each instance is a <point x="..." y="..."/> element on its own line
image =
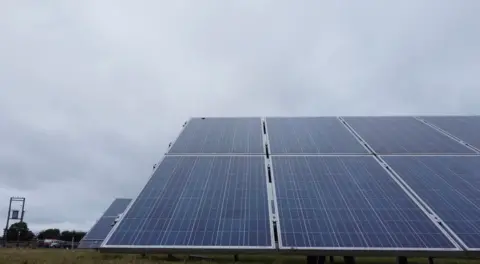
<point x="68" y="235"/>
<point x="79" y="235"/>
<point x="19" y="232"/>
<point x="52" y="233"/>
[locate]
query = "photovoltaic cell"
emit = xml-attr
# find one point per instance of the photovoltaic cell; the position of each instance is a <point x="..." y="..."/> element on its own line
<point x="348" y="202"/>
<point x="466" y="128"/>
<point x="311" y="135"/>
<point x="450" y="186"/>
<point x="199" y="201"/>
<point x="102" y="227"/>
<point x="220" y="136"/>
<point x="403" y="135"/>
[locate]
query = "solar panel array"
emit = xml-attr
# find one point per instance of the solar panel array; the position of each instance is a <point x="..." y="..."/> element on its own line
<point x="96" y="235"/>
<point x="209" y="191"/>
<point x="376" y="185"/>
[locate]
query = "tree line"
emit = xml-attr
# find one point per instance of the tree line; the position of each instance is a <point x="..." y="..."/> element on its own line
<point x="20" y="232"/>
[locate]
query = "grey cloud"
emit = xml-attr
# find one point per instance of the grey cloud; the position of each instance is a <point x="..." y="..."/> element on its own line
<point x="92" y="92"/>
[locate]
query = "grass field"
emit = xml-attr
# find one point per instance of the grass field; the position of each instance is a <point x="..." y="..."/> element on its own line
<point x="60" y="256"/>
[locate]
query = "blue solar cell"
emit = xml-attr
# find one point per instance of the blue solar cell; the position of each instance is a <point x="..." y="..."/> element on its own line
<point x="450" y="186"/>
<point x="117" y="207"/>
<point x="465" y="128"/>
<point x="204" y="201"/>
<point x="220" y="136"/>
<point x="103" y="226"/>
<point x="348" y="202"/>
<point x="311" y="135"/>
<point x="402" y="135"/>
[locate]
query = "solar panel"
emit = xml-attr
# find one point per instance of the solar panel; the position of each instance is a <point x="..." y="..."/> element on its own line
<point x="96" y="235"/>
<point x="450" y="186"/>
<point x="311" y="135"/>
<point x="86" y="244"/>
<point x="404" y="135"/>
<point x="348" y="203"/>
<point x="220" y="136"/>
<point x="101" y="229"/>
<point x="117" y="207"/>
<point x="199" y="202"/>
<point x="466" y="128"/>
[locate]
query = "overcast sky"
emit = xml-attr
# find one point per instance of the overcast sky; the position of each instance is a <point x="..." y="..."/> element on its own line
<point x="92" y="92"/>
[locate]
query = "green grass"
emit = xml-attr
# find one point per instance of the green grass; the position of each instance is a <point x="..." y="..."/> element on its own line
<point x="60" y="256"/>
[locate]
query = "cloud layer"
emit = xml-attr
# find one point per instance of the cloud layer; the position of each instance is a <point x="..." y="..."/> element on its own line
<point x="92" y="92"/>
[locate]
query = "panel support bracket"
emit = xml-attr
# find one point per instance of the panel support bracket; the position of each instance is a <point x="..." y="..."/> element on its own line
<point x="315" y="259"/>
<point x="402" y="260"/>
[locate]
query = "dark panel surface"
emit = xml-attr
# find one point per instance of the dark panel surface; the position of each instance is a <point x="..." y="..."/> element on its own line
<point x="347" y="202"/>
<point x="85" y="244"/>
<point x="403" y="135"/>
<point x="311" y="135"/>
<point x="450" y="186"/>
<point x="466" y="128"/>
<point x="103" y="226"/>
<point x="201" y="201"/>
<point x="101" y="229"/>
<point x="117" y="207"/>
<point x="220" y="136"/>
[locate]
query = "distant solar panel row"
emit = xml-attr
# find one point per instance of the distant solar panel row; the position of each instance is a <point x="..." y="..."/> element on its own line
<point x="117" y="207"/>
<point x="90" y="244"/>
<point x="96" y="235"/>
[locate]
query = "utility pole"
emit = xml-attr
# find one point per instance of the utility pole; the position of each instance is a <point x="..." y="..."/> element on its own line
<point x="14" y="215"/>
<point x="73" y="239"/>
